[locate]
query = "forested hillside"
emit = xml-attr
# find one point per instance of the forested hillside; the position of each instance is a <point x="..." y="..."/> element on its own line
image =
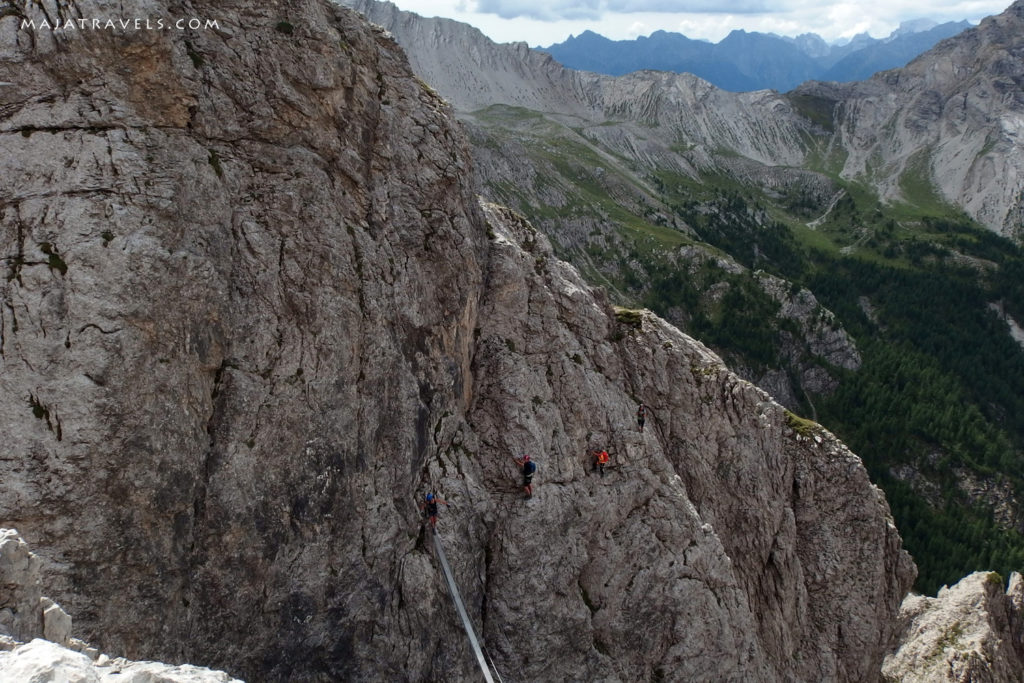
<point x="937" y="407"/>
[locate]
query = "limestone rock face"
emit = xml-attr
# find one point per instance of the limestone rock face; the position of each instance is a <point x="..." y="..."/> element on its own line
<point x="218" y="387"/>
<point x="973" y="631"/>
<point x="253" y="311"/>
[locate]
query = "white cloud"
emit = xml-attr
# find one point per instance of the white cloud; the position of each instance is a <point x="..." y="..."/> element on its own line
<point x="549" y="10"/>
<point x="543" y="22"/>
<point x="545" y="10"/>
<point x="638" y="28"/>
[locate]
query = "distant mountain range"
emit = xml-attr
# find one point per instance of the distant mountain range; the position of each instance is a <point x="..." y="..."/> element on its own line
<point x="745" y="61"/>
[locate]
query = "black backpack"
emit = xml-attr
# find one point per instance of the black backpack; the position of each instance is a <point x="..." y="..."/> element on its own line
<point x="530" y="467"/>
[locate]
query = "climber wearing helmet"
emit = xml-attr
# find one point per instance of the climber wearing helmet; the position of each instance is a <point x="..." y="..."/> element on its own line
<point x="529" y="467"/>
<point x="429" y="507"/>
<point x="600" y="460"/>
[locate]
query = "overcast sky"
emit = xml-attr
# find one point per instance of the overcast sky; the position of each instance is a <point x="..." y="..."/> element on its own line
<point x="543" y="22"/>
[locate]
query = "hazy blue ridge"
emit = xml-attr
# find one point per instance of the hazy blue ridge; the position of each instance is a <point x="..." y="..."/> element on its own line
<point x="745" y="61"/>
<point x="861" y="64"/>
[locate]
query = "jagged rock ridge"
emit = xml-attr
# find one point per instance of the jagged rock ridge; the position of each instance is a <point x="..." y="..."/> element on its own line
<point x="473" y="73"/>
<point x="253" y="311"/>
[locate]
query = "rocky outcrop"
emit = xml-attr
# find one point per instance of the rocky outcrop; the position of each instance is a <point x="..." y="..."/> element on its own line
<point x="253" y="310"/>
<point x="820" y="342"/>
<point x="973" y="631"/>
<point x="51" y="654"/>
<point x="41" y="660"/>
<point x="24" y="612"/>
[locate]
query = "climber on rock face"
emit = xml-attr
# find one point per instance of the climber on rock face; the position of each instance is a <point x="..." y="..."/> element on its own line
<point x="600" y="460"/>
<point x="429" y="507"/>
<point x="529" y="467"/>
<point x="641" y="416"/>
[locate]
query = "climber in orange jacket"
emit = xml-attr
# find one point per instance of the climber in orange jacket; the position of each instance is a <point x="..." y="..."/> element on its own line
<point x="600" y="460"/>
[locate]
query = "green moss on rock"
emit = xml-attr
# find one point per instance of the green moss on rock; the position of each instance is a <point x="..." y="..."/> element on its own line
<point x="801" y="425"/>
<point x="629" y="316"/>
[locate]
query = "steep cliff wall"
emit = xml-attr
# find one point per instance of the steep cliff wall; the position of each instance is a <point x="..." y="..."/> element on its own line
<point x="723" y="549"/>
<point x="252" y="311"/>
<point x="219" y="401"/>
